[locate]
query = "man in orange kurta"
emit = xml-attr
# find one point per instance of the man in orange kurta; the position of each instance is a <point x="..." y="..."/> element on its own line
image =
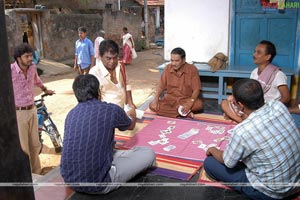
<point x="181" y="85"/>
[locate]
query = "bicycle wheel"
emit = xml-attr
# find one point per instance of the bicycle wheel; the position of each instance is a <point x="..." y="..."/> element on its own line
<point x="55" y="137"/>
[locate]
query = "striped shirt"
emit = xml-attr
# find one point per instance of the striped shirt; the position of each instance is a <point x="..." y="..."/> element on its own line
<point x="84" y="50"/>
<point x="24" y="86"/>
<point x="268" y="143"/>
<point x="88" y="143"/>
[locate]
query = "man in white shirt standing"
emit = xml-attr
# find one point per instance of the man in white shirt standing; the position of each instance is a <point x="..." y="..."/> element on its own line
<point x="97" y="42"/>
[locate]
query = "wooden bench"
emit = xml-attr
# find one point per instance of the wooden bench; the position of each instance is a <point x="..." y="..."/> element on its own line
<point x="221" y="92"/>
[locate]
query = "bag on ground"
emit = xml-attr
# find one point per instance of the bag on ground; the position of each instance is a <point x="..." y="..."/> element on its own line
<point x="133" y="53"/>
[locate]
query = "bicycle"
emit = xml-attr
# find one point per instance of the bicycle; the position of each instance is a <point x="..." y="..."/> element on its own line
<point x="46" y="125"/>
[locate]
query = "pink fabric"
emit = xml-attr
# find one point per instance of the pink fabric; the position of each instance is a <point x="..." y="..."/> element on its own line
<point x="23" y="86"/>
<point x="175" y="130"/>
<point x="126" y="54"/>
<point x="267" y="76"/>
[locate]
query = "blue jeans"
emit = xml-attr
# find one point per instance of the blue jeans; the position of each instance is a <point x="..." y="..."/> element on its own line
<point x="220" y="172"/>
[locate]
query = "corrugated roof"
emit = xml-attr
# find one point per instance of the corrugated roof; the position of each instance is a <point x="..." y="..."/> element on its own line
<point x="152" y="2"/>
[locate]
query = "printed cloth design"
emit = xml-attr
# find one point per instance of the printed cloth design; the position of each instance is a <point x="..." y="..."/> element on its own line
<point x="182" y="138"/>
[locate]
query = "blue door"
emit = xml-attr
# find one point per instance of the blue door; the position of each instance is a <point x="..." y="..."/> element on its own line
<point x="252" y="23"/>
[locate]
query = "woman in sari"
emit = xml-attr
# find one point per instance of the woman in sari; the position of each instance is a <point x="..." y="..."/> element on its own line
<point x="128" y="45"/>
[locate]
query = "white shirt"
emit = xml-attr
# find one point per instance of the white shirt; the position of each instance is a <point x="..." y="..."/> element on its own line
<point x="110" y="92"/>
<point x="98" y="40"/>
<point x="273" y="93"/>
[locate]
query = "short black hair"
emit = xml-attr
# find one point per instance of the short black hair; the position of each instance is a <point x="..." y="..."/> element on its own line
<point x="108" y="46"/>
<point x="248" y="92"/>
<point x="179" y="51"/>
<point x="270" y="48"/>
<point x="102" y="33"/>
<point x="22" y="49"/>
<point x="82" y="29"/>
<point x="86" y="87"/>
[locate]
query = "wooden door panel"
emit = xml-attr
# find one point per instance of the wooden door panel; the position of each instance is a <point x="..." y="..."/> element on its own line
<point x="282" y="32"/>
<point x="248" y="6"/>
<point x="250" y="29"/>
<point x="253" y="23"/>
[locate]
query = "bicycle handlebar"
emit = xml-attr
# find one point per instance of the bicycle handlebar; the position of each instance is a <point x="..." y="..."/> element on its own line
<point x="42" y="97"/>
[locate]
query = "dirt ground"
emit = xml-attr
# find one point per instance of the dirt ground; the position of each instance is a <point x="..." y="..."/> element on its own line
<point x="143" y="77"/>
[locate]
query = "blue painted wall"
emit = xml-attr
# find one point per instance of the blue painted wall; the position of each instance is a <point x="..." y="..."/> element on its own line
<point x="251" y="23"/>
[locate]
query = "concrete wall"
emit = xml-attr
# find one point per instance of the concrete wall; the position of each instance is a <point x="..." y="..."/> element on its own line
<point x="200" y="27"/>
<point x="59" y="30"/>
<point x="79" y="4"/>
<point x="13" y="31"/>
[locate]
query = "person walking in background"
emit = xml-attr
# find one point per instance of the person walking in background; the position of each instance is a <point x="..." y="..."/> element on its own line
<point x="84" y="52"/>
<point x="128" y="45"/>
<point x="88" y="155"/>
<point x="24" y="78"/>
<point x="97" y="42"/>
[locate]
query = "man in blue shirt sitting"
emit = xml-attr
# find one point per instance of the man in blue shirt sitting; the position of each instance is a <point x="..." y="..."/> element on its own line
<point x="88" y="154"/>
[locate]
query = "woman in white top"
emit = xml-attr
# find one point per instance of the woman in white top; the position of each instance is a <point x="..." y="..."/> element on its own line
<point x="128" y="45"/>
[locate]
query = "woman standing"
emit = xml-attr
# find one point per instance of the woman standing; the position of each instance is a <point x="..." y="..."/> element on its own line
<point x="128" y="45"/>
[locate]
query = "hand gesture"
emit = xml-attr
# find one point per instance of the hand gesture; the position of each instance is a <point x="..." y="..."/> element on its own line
<point x="186" y="108"/>
<point x="154" y="105"/>
<point x="49" y="92"/>
<point x="230" y="98"/>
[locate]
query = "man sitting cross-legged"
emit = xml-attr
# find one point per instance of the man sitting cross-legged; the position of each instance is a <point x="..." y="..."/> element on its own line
<point x="262" y="157"/>
<point x="88" y="155"/>
<point x="181" y="83"/>
<point x="271" y="78"/>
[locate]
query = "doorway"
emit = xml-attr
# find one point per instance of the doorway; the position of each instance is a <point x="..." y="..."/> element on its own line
<point x="252" y="22"/>
<point x="31" y="27"/>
